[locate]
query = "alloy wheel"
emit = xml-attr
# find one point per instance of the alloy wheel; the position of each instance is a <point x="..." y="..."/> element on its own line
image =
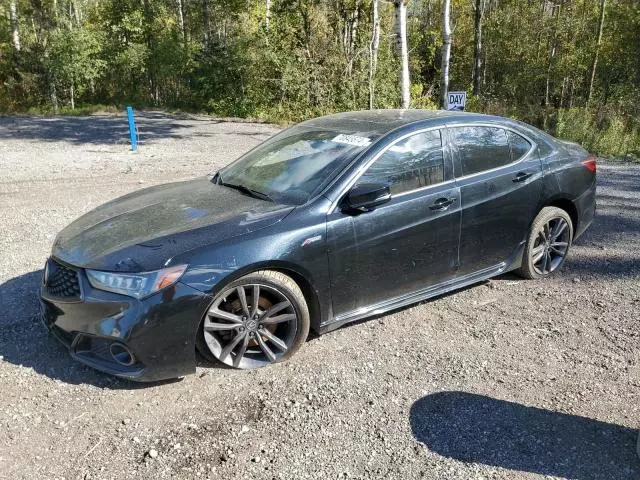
<point x="250" y="326"/>
<point x="550" y="246"/>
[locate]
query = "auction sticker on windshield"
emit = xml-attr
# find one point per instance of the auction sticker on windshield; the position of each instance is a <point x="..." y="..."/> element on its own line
<point x="352" y="140"/>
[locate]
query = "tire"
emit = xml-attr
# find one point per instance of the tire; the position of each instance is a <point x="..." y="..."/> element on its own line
<point x="551" y="233"/>
<point x="244" y="334"/>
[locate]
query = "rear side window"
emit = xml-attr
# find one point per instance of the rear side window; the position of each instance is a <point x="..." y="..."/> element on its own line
<point x="415" y="162"/>
<point x="520" y="146"/>
<point x="481" y="148"/>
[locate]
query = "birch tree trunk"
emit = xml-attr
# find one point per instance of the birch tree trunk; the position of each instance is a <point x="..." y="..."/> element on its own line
<point x="181" y="21"/>
<point x="477" y="51"/>
<point x="401" y="45"/>
<point x="267" y="14"/>
<point x="446" y="53"/>
<point x="206" y="16"/>
<point x="351" y="19"/>
<point x="594" y="66"/>
<point x="552" y="56"/>
<point x="13" y="14"/>
<point x="373" y="52"/>
<point x="76" y="13"/>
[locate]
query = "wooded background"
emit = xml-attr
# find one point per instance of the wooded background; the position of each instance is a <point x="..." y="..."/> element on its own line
<point x="571" y="67"/>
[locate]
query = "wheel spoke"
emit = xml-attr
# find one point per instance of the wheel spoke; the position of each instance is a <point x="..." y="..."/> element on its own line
<point x="559" y="244"/>
<point x="273" y="339"/>
<point x="215" y="326"/>
<point x="265" y="348"/>
<point x="240" y="353"/>
<point x="278" y="307"/>
<point x="286" y="317"/>
<point x="537" y="254"/>
<point x="217" y="313"/>
<point x="255" y="299"/>
<point x="242" y="296"/>
<point x="231" y="345"/>
<point x="545" y="261"/>
<point x="560" y="227"/>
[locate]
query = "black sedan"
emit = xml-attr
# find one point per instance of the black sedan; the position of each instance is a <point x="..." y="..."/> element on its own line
<point x="330" y="221"/>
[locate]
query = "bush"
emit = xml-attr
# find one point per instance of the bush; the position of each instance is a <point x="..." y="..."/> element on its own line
<point x="601" y="132"/>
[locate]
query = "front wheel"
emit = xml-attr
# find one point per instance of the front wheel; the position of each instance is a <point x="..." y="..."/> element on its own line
<point x="548" y="243"/>
<point x="259" y="319"/>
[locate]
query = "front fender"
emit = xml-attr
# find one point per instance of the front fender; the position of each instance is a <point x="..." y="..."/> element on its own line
<point x="301" y="253"/>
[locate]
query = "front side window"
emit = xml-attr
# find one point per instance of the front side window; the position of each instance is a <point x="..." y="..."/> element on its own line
<point x="481" y="148"/>
<point x="415" y="162"/>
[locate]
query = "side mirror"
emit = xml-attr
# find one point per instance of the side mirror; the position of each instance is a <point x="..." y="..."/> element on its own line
<point x="367" y="196"/>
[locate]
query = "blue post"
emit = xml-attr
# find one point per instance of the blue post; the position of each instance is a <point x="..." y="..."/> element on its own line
<point x="132" y="129"/>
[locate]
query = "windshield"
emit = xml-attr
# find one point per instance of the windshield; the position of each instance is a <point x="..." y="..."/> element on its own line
<point x="294" y="165"/>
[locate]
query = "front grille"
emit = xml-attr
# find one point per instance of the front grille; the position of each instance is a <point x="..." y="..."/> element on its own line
<point x="62" y="281"/>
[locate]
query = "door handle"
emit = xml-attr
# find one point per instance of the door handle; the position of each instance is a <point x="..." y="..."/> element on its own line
<point x="442" y="203"/>
<point x="522" y="176"/>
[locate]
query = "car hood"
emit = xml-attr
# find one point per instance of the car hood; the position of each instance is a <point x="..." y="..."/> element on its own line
<point x="143" y="230"/>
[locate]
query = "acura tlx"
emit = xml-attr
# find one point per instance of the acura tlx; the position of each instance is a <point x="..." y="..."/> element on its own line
<point x="332" y="220"/>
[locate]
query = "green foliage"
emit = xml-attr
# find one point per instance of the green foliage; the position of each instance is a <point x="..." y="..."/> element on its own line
<point x="304" y="58"/>
<point x="75" y="57"/>
<point x="601" y="133"/>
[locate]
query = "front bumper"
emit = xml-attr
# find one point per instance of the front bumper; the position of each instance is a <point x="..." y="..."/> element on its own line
<point x="159" y="330"/>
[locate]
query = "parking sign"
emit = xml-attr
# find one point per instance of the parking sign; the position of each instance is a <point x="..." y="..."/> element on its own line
<point x="456" y="100"/>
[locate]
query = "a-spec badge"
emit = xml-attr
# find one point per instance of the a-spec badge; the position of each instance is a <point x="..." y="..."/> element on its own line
<point x="311" y="240"/>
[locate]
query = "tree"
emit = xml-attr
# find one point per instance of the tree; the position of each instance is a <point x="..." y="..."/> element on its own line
<point x="373" y="51"/>
<point x="13" y="14"/>
<point x="294" y="59"/>
<point x="603" y="5"/>
<point x="75" y="60"/>
<point x="401" y="46"/>
<point x="477" y="51"/>
<point x="446" y="53"/>
<point x="181" y="21"/>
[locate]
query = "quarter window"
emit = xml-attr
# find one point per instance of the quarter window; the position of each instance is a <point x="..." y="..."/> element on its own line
<point x="520" y="146"/>
<point x="412" y="163"/>
<point x="481" y="148"/>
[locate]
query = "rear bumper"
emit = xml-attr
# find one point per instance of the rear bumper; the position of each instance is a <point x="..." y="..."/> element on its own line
<point x="159" y="330"/>
<point x="586" y="207"/>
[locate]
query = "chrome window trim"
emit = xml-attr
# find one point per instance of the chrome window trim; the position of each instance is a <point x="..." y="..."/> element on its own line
<point x="364" y="167"/>
<point x="534" y="145"/>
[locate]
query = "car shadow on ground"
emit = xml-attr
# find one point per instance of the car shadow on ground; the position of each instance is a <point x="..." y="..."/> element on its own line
<point x="481" y="429"/>
<point x="25" y="342"/>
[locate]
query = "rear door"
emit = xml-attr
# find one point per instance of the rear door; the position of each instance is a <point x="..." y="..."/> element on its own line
<point x="407" y="244"/>
<point x="499" y="176"/>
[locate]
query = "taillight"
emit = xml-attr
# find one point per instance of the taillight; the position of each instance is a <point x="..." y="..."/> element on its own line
<point x="590" y="164"/>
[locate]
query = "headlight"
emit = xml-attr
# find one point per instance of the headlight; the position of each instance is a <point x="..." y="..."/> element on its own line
<point x="136" y="285"/>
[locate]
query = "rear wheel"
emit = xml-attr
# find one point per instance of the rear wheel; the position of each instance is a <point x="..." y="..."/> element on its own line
<point x="548" y="243"/>
<point x="259" y="319"/>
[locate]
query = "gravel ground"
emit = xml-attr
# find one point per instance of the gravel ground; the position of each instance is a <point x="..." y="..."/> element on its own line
<point x="506" y="379"/>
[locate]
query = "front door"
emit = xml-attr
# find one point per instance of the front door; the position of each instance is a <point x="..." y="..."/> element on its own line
<point x="405" y="245"/>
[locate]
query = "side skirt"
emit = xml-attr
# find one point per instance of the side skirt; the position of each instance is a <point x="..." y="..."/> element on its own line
<point x="415" y="297"/>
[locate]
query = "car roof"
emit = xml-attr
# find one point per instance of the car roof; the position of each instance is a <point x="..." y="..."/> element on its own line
<point x="380" y="122"/>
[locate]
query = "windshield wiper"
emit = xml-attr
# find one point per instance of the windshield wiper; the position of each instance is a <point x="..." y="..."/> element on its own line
<point x="247" y="190"/>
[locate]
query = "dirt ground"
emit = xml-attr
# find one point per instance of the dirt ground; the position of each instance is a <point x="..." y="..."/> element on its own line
<point x="508" y="379"/>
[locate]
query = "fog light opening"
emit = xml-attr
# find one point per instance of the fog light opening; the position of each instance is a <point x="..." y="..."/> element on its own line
<point x="122" y="354"/>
